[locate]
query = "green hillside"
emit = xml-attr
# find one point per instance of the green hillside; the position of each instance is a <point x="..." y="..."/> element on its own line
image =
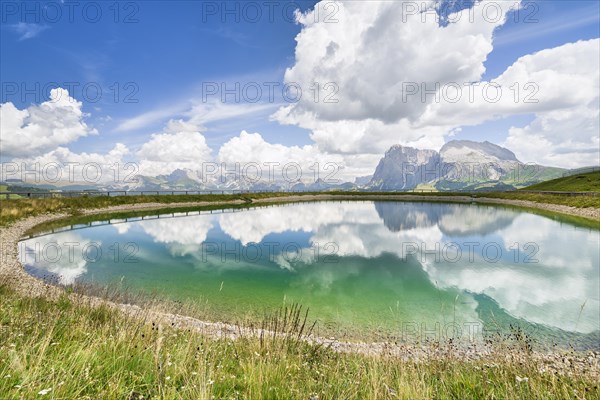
<point x="588" y="182"/>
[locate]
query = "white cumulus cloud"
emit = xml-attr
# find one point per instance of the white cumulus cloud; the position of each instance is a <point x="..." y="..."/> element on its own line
<point x="43" y="127"/>
<point x="387" y="63"/>
<point x="180" y="146"/>
<point x="566" y="131"/>
<point x="560" y="86"/>
<point x="63" y="166"/>
<point x="372" y="54"/>
<point x="277" y="161"/>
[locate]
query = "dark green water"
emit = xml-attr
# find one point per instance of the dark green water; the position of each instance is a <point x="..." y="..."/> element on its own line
<point x="408" y="270"/>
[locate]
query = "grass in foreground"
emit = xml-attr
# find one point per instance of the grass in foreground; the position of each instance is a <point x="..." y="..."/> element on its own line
<point x="69" y="350"/>
<point x="588" y="182"/>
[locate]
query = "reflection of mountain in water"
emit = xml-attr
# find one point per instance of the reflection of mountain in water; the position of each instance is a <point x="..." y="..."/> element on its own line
<point x="404" y="216"/>
<point x="452" y="219"/>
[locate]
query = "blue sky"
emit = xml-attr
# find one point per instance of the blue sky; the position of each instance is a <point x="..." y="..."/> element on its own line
<point x="159" y="54"/>
<point x="171" y="49"/>
<point x="539" y="25"/>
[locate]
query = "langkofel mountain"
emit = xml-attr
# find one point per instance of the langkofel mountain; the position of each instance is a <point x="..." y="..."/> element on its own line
<point x="459" y="165"/>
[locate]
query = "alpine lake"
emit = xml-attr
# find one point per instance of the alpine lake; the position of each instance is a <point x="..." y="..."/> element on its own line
<point x="409" y="271"/>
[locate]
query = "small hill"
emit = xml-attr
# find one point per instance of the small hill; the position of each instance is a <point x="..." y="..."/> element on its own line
<point x="588" y="182"/>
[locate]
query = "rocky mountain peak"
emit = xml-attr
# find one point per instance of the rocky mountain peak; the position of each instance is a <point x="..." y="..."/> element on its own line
<point x="456" y="149"/>
<point x="460" y="164"/>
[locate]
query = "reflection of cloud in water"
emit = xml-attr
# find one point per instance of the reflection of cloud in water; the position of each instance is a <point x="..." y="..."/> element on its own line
<point x="550" y="292"/>
<point x="122" y="228"/>
<point x="373" y="240"/>
<point x="384" y="289"/>
<point x="60" y="254"/>
<point x="530" y="292"/>
<point x="353" y="227"/>
<point x="560" y="246"/>
<point x="181" y="235"/>
<point x="253" y="225"/>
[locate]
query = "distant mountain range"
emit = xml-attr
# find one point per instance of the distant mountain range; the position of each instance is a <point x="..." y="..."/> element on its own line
<point x="191" y="180"/>
<point x="460" y="165"/>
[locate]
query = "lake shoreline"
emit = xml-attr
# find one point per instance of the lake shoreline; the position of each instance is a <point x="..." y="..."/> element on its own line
<point x="12" y="272"/>
<point x="587" y="213"/>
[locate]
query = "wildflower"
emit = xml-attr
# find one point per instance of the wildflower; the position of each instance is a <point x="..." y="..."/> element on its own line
<point x="524" y="379"/>
<point x="210" y="381"/>
<point x="44" y="391"/>
<point x="168" y="378"/>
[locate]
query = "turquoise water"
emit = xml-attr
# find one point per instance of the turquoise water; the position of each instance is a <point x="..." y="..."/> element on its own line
<point x="410" y="271"/>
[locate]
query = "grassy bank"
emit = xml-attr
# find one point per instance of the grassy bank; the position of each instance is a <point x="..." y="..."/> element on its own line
<point x="572" y="201"/>
<point x="588" y="182"/>
<point x="13" y="210"/>
<point x="69" y="350"/>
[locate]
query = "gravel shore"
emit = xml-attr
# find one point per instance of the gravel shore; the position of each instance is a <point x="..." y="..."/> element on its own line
<point x="12" y="271"/>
